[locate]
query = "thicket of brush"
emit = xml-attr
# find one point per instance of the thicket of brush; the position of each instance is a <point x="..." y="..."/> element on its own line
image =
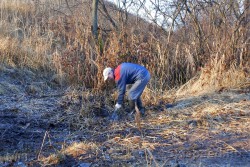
<point x="55" y="36"/>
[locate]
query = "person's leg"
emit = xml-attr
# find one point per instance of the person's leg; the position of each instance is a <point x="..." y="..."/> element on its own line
<point x="131" y="106"/>
<point x="133" y="94"/>
<point x="136" y="91"/>
<point x="140" y="106"/>
<point x="139" y="103"/>
<point x="138" y="87"/>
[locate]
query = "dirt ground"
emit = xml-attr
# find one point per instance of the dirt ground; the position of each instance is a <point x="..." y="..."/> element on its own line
<point x="208" y="130"/>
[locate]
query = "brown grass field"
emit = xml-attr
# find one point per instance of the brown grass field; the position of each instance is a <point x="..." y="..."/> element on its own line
<point x="52" y="94"/>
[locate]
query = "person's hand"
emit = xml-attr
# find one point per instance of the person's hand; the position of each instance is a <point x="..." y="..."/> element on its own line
<point x="115" y="115"/>
<point x="117" y="106"/>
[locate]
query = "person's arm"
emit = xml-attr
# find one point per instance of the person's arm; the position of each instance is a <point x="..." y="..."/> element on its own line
<point x="121" y="86"/>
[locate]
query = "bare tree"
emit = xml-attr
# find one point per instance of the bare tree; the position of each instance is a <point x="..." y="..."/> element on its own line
<point x="95" y="18"/>
<point x="108" y="16"/>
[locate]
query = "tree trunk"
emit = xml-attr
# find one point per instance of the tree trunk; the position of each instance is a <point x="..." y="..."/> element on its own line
<point x="246" y="27"/>
<point x="94" y="18"/>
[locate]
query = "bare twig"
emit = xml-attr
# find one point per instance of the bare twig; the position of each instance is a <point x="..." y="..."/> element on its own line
<point x="151" y="155"/>
<point x="45" y="134"/>
<point x="137" y="117"/>
<point x="67" y="3"/>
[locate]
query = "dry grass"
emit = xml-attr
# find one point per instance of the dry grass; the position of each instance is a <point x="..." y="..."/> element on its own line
<point x="208" y="128"/>
<point x="26" y="55"/>
<point x="16" y="6"/>
<point x="55" y="39"/>
<point x="216" y="76"/>
<point x="75" y="150"/>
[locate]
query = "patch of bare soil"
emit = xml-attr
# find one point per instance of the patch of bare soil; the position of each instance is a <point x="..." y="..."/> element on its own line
<point x="47" y="127"/>
<point x="28" y="110"/>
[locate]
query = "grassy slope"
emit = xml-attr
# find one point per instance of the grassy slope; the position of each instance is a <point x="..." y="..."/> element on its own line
<point x="208" y="124"/>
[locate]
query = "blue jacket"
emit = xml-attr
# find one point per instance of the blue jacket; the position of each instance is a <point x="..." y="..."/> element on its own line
<point x="127" y="73"/>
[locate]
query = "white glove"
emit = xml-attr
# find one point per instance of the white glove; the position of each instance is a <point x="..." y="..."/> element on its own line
<point x="117" y="106"/>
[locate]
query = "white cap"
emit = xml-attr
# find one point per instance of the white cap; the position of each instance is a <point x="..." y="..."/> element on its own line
<point x="106" y="73"/>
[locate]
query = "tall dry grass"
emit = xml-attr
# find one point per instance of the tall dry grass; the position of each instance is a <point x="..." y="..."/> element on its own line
<point x="215" y="77"/>
<point x="22" y="42"/>
<point x="56" y="37"/>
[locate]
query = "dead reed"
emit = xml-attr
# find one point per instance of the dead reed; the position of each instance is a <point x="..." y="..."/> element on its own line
<point x="56" y="37"/>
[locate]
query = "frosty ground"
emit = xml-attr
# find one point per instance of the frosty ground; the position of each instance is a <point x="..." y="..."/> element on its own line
<point x="41" y="125"/>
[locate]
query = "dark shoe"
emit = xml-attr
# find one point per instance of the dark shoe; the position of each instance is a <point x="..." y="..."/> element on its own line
<point x="139" y="103"/>
<point x="140" y="107"/>
<point x="142" y="111"/>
